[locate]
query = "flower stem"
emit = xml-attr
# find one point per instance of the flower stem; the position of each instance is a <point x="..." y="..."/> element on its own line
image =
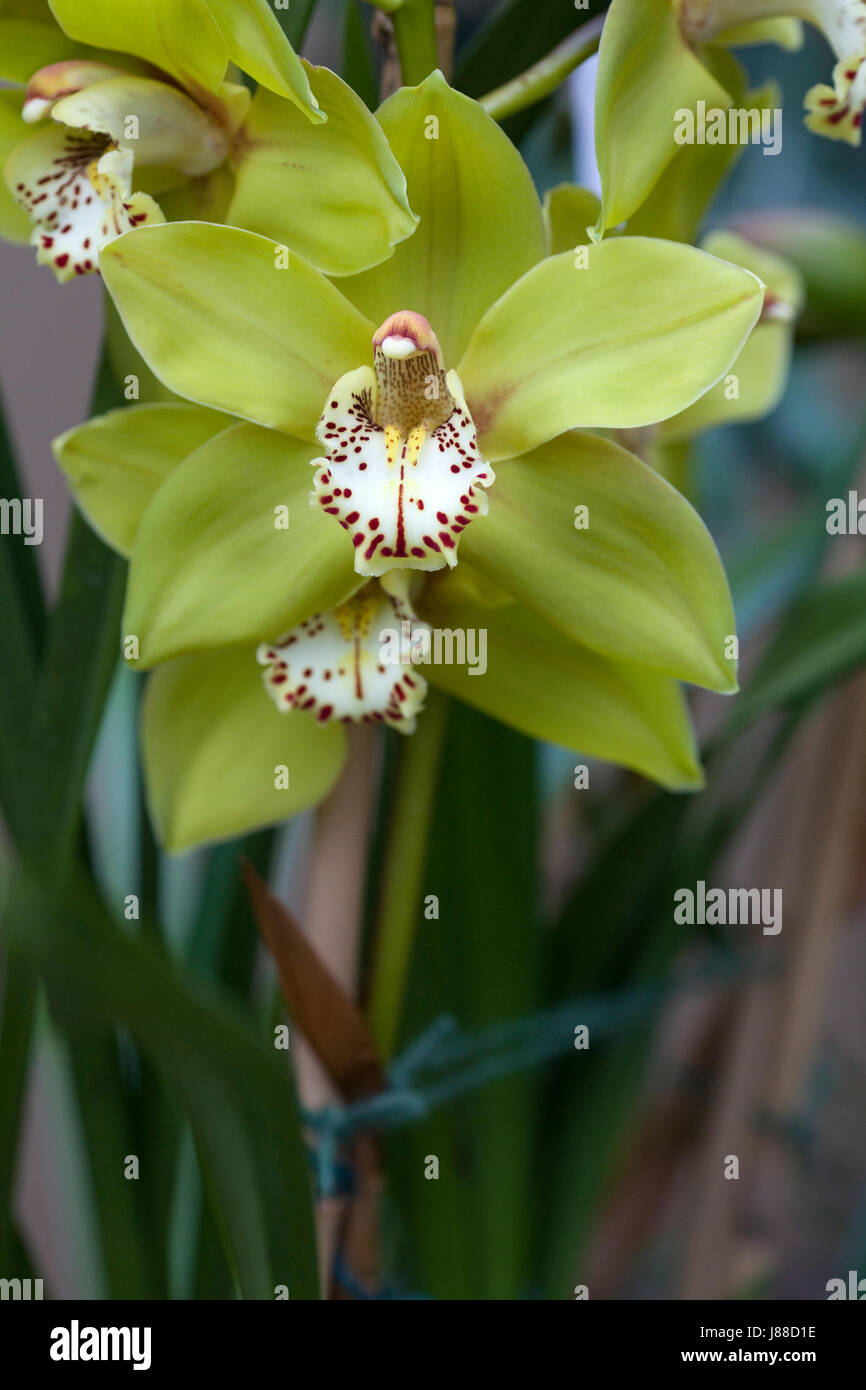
<point x="545" y="75"/>
<point x="415" y="34"/>
<point x="405" y="857"/>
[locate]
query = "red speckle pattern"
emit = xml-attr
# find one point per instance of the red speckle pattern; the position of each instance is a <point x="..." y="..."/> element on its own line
<point x="76" y="187"/>
<point x="331" y="665"/>
<point x="403" y="498"/>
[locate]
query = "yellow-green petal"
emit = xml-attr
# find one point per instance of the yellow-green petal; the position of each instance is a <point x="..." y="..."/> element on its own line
<point x="646" y="73"/>
<point x="129" y="368"/>
<point x="595" y="542"/>
<point x="180" y="36"/>
<point x="171" y="130"/>
<point x="553" y="689"/>
<point x="234" y="321"/>
<point x="756" y="380"/>
<point x="256" y="42"/>
<point x="569" y="213"/>
<point x="784" y="31"/>
<point x="682" y="194"/>
<point x="26" y="45"/>
<point x="15" y="225"/>
<point x="205" y="199"/>
<point x="620" y="334"/>
<point x="230" y="549"/>
<point x="115" y="463"/>
<point x="305" y="186"/>
<point x="481" y="225"/>
<point x="220" y="760"/>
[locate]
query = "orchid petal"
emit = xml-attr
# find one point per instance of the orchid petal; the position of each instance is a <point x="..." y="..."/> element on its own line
<point x="26" y="45"/>
<point x="481" y="225"/>
<point x="755" y="383"/>
<point x="345" y="664"/>
<point x="231" y="551"/>
<point x="550" y="688"/>
<point x="230" y="320"/>
<point x="115" y="463"/>
<point x="256" y="42"/>
<point x="169" y="128"/>
<point x="403" y="495"/>
<point x="15" y="225"/>
<point x="180" y="36"/>
<point x="646" y="72"/>
<point x="219" y="761"/>
<point x="635" y="576"/>
<point x="78" y="192"/>
<point x="678" y="202"/>
<point x="620" y="334"/>
<point x="783" y="31"/>
<point x="300" y="185"/>
<point x="569" y="213"/>
<point x="57" y="80"/>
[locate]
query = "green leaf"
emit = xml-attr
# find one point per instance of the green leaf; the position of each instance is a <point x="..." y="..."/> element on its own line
<point x="21" y="634"/>
<point x="640" y="581"/>
<point x="295" y="21"/>
<point x="481" y="963"/>
<point x="357" y="65"/>
<point x="183" y="39"/>
<point x="80" y="657"/>
<point x="301" y="185"/>
<point x="278" y="334"/>
<point x="620" y="334"/>
<point x="550" y="688"/>
<point x="512" y="36"/>
<point x="481" y="224"/>
<point x="214" y="745"/>
<point x="42" y="808"/>
<point x="240" y="1100"/>
<point x="822" y="640"/>
<point x="213" y="563"/>
<point x="115" y="463"/>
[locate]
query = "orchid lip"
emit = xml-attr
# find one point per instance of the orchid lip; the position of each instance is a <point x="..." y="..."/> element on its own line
<point x="331" y="665"/>
<point x="402" y="473"/>
<point x="76" y="187"/>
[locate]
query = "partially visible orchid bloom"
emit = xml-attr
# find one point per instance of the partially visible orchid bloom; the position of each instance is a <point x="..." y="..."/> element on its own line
<point x="658" y="57"/>
<point x="836" y="111"/>
<point x="162" y="119"/>
<point x="332" y="663"/>
<point x="448" y="388"/>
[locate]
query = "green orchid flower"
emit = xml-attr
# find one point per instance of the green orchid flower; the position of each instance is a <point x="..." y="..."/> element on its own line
<point x="659" y="57"/>
<point x="430" y="475"/>
<point x="157" y="113"/>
